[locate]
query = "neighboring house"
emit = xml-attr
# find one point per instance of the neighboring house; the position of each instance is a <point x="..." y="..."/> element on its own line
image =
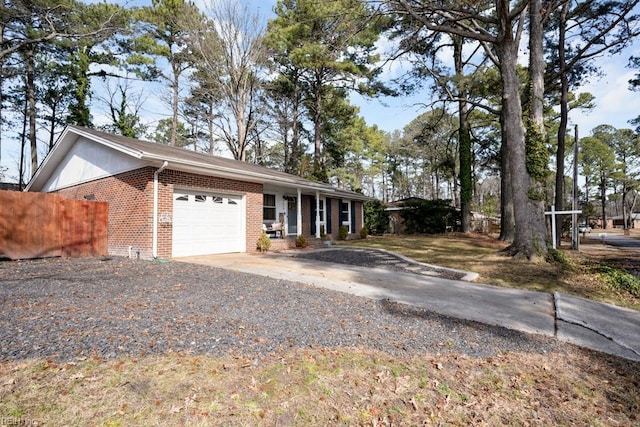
<point x="396" y="222"/>
<point x="618" y="221"/>
<point x="479" y="222"/>
<point x="167" y="202"/>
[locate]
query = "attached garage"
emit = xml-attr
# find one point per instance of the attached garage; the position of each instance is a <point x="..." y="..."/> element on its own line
<point x="207" y="223"/>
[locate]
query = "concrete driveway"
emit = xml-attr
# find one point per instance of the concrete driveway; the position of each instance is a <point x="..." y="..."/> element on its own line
<point x="598" y="326"/>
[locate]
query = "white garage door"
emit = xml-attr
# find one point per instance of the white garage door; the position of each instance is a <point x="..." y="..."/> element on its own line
<point x="207" y="223"/>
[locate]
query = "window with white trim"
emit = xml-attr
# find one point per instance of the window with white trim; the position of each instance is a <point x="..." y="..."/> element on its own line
<point x="269" y="207"/>
<point x="345" y="214"/>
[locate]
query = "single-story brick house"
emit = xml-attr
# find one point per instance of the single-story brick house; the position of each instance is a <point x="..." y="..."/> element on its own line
<point x="167" y="202"/>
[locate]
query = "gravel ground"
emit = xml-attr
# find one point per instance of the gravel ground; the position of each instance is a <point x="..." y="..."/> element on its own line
<point x="68" y="308"/>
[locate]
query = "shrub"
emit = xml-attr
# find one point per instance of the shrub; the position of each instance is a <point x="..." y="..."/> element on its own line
<point x="264" y="242"/>
<point x="364" y="232"/>
<point x="554" y="255"/>
<point x="621" y="279"/>
<point x="430" y="216"/>
<point x="376" y="218"/>
<point x="343" y="232"/>
<point x="323" y="234"/>
<point x="301" y="242"/>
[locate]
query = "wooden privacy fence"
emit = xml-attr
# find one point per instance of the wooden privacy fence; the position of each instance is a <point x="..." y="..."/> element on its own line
<point x="35" y="225"/>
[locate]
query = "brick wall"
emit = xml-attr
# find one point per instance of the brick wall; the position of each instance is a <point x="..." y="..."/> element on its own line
<point x="359" y="224"/>
<point x="130" y="198"/>
<point x="306" y="215"/>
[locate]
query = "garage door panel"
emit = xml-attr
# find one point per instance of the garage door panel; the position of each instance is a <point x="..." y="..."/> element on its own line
<point x="207" y="223"/>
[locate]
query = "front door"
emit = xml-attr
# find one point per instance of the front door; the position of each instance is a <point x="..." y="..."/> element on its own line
<point x="292" y="216"/>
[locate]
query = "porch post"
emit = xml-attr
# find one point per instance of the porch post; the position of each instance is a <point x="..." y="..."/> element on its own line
<point x="317" y="214"/>
<point x="299" y="214"/>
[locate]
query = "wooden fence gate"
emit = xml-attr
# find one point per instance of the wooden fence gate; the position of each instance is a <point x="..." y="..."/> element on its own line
<point x="36" y="225"/>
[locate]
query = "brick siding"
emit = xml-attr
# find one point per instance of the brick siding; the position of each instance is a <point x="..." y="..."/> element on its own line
<point x="130" y="198"/>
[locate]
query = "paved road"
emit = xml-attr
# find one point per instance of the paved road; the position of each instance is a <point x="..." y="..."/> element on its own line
<point x="598" y="326"/>
<point x="614" y="239"/>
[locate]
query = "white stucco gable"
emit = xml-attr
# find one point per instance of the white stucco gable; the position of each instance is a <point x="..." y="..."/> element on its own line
<point x="87" y="161"/>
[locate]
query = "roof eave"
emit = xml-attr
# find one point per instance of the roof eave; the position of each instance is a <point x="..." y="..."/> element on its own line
<point x="232" y="173"/>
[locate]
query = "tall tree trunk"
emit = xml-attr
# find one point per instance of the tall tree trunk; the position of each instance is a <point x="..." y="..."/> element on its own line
<point x="318" y="166"/>
<point x="507" y="218"/>
<point x="175" y="86"/>
<point x="212" y="139"/>
<point x="529" y="240"/>
<point x="625" y="222"/>
<point x="603" y="201"/>
<point x="31" y="111"/>
<point x="52" y="126"/>
<point x="294" y="154"/>
<point x="564" y="116"/>
<point x="241" y="132"/>
<point x="464" y="142"/>
<point x="536" y="154"/>
<point x="23" y="146"/>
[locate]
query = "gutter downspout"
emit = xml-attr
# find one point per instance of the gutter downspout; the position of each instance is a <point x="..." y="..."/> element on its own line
<point x="155" y="207"/>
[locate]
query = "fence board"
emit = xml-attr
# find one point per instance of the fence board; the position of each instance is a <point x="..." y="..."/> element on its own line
<point x="35" y="225"/>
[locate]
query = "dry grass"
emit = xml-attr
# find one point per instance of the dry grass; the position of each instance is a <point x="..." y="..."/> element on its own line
<point x="346" y="387"/>
<point x="482" y="254"/>
<point x="354" y="387"/>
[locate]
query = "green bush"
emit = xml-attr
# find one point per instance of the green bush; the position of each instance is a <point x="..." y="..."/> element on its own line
<point x="364" y="232"/>
<point x="621" y="279"/>
<point x="376" y="218"/>
<point x="554" y="255"/>
<point x="301" y="242"/>
<point x="430" y="216"/>
<point x="343" y="232"/>
<point x="264" y="242"/>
